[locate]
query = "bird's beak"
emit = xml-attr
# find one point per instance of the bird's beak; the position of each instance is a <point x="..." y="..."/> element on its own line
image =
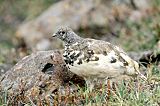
<point x="54" y="35"/>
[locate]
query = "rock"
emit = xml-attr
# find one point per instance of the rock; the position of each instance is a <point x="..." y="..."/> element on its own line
<point x="43" y="44"/>
<point x="136" y="4"/>
<point x="146" y="57"/>
<point x="4" y="68"/>
<point x="77" y="14"/>
<point x="136" y="15"/>
<point x="142" y="4"/>
<point x="40" y="73"/>
<point x="67" y="12"/>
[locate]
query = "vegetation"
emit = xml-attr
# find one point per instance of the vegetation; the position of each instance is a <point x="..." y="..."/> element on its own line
<point x="145" y="34"/>
<point x="133" y="93"/>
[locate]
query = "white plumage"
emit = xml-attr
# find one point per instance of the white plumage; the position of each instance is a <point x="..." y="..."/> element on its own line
<point x="95" y="59"/>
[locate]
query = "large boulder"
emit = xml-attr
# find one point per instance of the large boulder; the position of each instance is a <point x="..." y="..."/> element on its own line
<point x="38" y="74"/>
<point x="78" y="14"/>
<point x="68" y="12"/>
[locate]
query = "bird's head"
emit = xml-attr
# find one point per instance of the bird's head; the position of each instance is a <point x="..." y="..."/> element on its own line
<point x="66" y="34"/>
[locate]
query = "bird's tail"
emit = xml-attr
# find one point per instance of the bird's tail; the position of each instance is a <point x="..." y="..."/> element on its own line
<point x="136" y="65"/>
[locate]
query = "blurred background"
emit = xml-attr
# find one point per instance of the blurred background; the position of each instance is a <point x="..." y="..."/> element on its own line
<point x="27" y="26"/>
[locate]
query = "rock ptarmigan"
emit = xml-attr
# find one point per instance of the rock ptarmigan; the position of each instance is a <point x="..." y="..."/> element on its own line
<point x="95" y="59"/>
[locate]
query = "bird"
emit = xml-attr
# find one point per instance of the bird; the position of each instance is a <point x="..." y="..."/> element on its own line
<point x="94" y="59"/>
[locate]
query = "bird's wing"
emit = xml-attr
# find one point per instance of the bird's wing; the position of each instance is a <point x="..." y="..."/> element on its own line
<point x="100" y="54"/>
<point x="112" y="51"/>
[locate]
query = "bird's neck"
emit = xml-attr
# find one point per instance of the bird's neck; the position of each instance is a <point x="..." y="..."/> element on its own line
<point x="73" y="39"/>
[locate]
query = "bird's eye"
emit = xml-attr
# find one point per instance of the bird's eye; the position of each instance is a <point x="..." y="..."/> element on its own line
<point x="63" y="32"/>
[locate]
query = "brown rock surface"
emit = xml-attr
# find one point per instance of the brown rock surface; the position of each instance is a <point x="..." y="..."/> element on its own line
<point x="41" y="72"/>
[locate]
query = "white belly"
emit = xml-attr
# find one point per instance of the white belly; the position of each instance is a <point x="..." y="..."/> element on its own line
<point x="99" y="69"/>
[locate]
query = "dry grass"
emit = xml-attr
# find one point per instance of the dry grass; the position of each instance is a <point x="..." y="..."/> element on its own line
<point x="134" y="93"/>
<point x="144" y="34"/>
